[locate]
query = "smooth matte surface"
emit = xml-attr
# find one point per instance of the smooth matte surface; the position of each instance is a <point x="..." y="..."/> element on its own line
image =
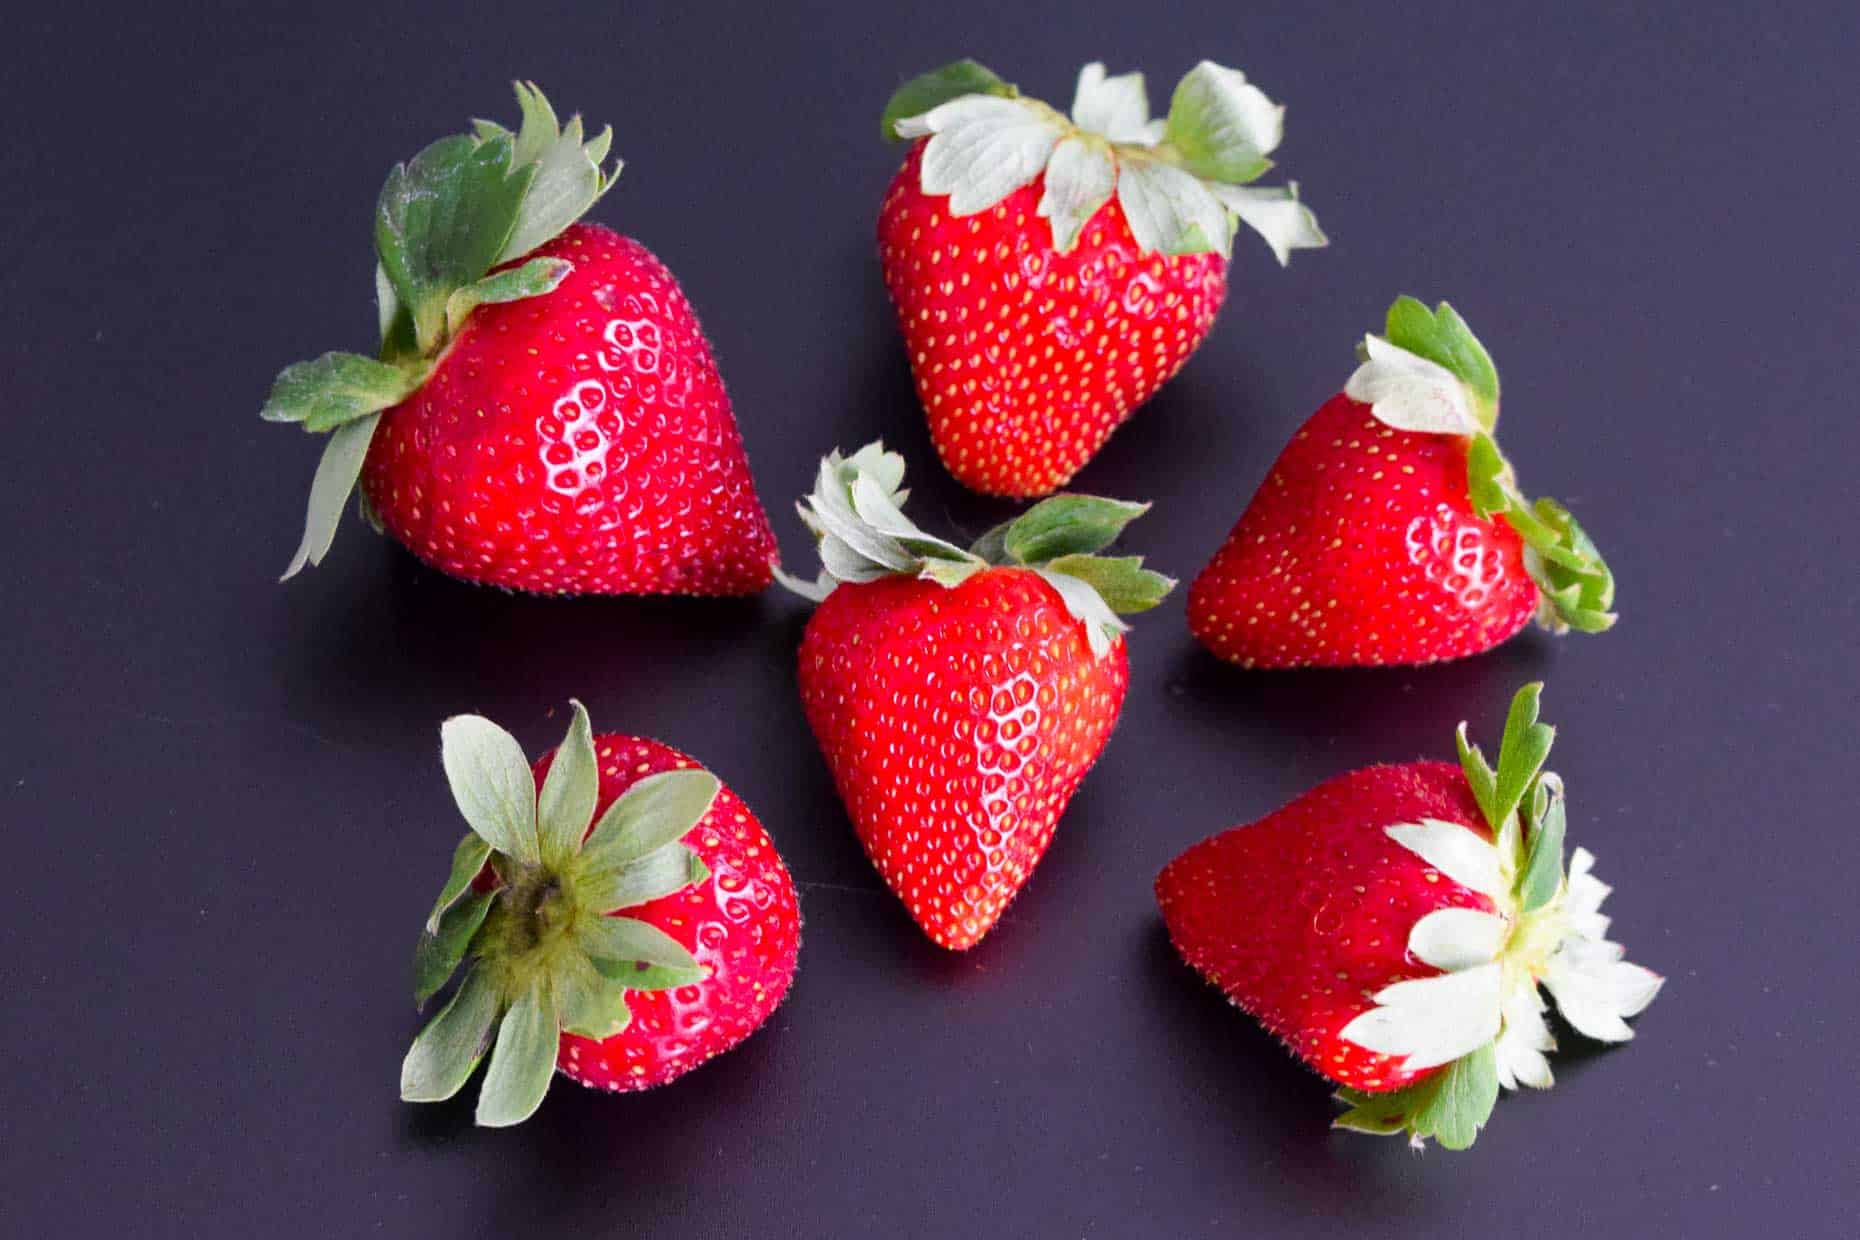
<point x="222" y="798"/>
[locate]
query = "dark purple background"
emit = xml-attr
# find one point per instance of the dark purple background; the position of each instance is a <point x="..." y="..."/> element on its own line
<point x="222" y="798"/>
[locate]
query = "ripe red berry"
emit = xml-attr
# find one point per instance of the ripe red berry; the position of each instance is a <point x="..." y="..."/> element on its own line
<point x="1392" y="927"/>
<point x="1391" y="530"/>
<point x="1050" y="273"/>
<point x="619" y="913"/>
<point x="960" y="696"/>
<point x="545" y="414"/>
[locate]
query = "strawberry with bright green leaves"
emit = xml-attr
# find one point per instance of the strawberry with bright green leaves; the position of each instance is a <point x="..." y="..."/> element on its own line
<point x="959" y="696"/>
<point x="1050" y="272"/>
<point x="622" y="917"/>
<point x="544" y="413"/>
<point x="1392" y="927"/>
<point x="1391" y="529"/>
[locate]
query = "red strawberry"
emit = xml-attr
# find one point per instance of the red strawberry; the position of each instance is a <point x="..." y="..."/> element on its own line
<point x="622" y="916"/>
<point x="1051" y="273"/>
<point x="1391" y="529"/>
<point x="1392" y="927"/>
<point x="960" y="696"/>
<point x="546" y="414"/>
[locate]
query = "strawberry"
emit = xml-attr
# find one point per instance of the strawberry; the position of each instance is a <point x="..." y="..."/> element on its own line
<point x="622" y="917"/>
<point x="1051" y="273"/>
<point x="1393" y="925"/>
<point x="1391" y="529"/>
<point x="545" y="414"/>
<point x="960" y="696"/>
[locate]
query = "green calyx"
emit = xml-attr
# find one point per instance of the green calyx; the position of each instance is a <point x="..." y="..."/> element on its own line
<point x="1523" y="805"/>
<point x="856" y="513"/>
<point x="939" y="86"/>
<point x="1451" y="1106"/>
<point x="1459" y="394"/>
<point x="545" y="946"/>
<point x="1184" y="181"/>
<point x="449" y="225"/>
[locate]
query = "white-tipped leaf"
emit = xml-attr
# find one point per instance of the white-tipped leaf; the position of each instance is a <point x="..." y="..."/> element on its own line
<point x="1170" y="211"/>
<point x="1431" y="1021"/>
<point x="1458" y="938"/>
<point x="983" y="148"/>
<point x="1458" y="852"/>
<point x="1276" y="214"/>
<point x="1080" y="179"/>
<point x="1117" y="108"/>
<point x="1411" y="393"/>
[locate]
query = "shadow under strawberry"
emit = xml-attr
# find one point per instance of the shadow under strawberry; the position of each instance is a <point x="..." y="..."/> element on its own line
<point x="1247" y="1076"/>
<point x="1281" y="714"/>
<point x="365" y="658"/>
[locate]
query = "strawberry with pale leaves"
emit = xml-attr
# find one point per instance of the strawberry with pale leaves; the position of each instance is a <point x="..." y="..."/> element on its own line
<point x="959" y="696"/>
<point x="1051" y="272"/>
<point x="1393" y="926"/>
<point x="622" y="917"/>
<point x="544" y="413"/>
<point x="1391" y="530"/>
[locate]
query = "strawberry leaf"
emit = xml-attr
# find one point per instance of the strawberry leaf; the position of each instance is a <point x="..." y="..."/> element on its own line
<point x="617" y="945"/>
<point x="1451" y="1106"/>
<point x="565" y="806"/>
<point x="1543" y="867"/>
<point x="1442" y="336"/>
<point x="442" y="221"/>
<point x="336" y="389"/>
<point x="522" y="1061"/>
<point x="467" y="861"/>
<point x="336" y="474"/>
<point x="443" y="1056"/>
<point x="1121" y="581"/>
<point x="670" y="868"/>
<point x="593" y="1004"/>
<point x="1222" y="126"/>
<point x="532" y="279"/>
<point x="1102" y="627"/>
<point x="441" y="948"/>
<point x="1081" y="175"/>
<point x="1170" y="211"/>
<point x="930" y="90"/>
<point x="654" y="812"/>
<point x="492" y="784"/>
<point x="1521" y="754"/>
<point x="1068" y="525"/>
